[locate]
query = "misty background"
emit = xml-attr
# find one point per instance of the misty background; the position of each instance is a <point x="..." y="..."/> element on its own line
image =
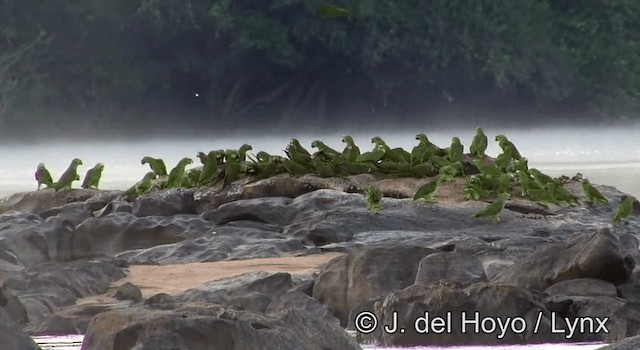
<point x="123" y="68"/>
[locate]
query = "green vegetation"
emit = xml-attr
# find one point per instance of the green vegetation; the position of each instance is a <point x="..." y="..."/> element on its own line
<point x="256" y="60"/>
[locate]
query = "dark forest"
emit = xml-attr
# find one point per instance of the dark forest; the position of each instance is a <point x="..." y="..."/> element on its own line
<point x="221" y="63"/>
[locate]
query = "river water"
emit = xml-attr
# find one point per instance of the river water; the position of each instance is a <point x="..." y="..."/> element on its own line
<point x="608" y="155"/>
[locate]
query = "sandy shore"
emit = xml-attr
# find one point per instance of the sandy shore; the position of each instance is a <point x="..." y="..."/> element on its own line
<point x="175" y="279"/>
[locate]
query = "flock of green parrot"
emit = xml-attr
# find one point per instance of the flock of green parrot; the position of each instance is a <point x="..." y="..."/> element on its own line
<point x="91" y="179"/>
<point x="488" y="178"/>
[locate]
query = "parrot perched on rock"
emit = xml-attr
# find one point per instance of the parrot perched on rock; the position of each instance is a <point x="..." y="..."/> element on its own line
<point x="593" y="195"/>
<point x="43" y="176"/>
<point x="479" y="144"/>
<point x="373" y="197"/>
<point x="156" y="164"/>
<point x="69" y="176"/>
<point x="177" y="174"/>
<point x="493" y="210"/>
<point x="92" y="178"/>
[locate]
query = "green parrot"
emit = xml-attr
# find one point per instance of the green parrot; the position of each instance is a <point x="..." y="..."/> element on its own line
<point x="325" y="153"/>
<point x="419" y="170"/>
<point x="561" y="194"/>
<point x="298" y="154"/>
<point x="487" y="170"/>
<point x="322" y="168"/>
<point x="351" y="152"/>
<point x="424" y="150"/>
<point x="624" y="210"/>
<point x="397" y="155"/>
<point x="593" y="195"/>
<point x="268" y="165"/>
<point x="504" y="159"/>
<point x="449" y="172"/>
<point x="297" y="147"/>
<point x="542" y="196"/>
<point x="192" y="177"/>
<point x="232" y="169"/>
<point x="520" y="164"/>
<point x="456" y="150"/>
<point x="503" y="142"/>
<point x="526" y="182"/>
<point x="428" y="191"/>
<point x="156" y="164"/>
<point x="209" y="169"/>
<point x="479" y="144"/>
<point x="372" y="157"/>
<point x="503" y="183"/>
<point x="177" y="174"/>
<point x="143" y="186"/>
<point x="542" y="179"/>
<point x="242" y="152"/>
<point x="493" y="210"/>
<point x="439" y="161"/>
<point x="378" y="141"/>
<point x="373" y="197"/>
<point x="69" y="176"/>
<point x="295" y="168"/>
<point x="473" y="191"/>
<point x="43" y="176"/>
<point x="92" y="178"/>
<point x="203" y="157"/>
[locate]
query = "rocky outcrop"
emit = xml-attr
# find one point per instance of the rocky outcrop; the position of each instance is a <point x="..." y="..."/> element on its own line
<point x="165" y="203"/>
<point x="43" y="200"/>
<point x="44" y="288"/>
<point x="597" y="255"/>
<point x="450" y="266"/>
<point x="480" y="304"/>
<point x="120" y="232"/>
<point x="209" y="326"/>
<point x="631" y="343"/>
<point x="352" y="280"/>
<point x="12" y="336"/>
<point x="413" y="256"/>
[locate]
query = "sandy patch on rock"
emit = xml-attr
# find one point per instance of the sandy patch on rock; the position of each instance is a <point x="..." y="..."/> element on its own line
<point x="175" y="279"/>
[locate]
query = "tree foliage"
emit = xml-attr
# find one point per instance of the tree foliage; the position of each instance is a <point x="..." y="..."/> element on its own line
<point x="247" y="58"/>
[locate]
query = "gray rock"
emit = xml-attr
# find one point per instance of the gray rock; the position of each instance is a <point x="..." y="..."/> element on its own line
<point x="208" y="326"/>
<point x="40" y="201"/>
<point x="13" y="307"/>
<point x="115" y="233"/>
<point x="449" y="301"/>
<point x="101" y="199"/>
<point x="115" y="206"/>
<point x="583" y="287"/>
<point x="586" y="310"/>
<point x="456" y="267"/>
<point x="75" y="213"/>
<point x="12" y="336"/>
<point x="128" y="291"/>
<point x="367" y="273"/>
<point x="632" y="343"/>
<point x="297" y="300"/>
<point x="597" y="255"/>
<point x="165" y="203"/>
<point x="249" y="291"/>
<point x="46" y="287"/>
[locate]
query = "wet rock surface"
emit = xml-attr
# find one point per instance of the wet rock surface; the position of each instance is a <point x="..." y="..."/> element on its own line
<point x="563" y="262"/>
